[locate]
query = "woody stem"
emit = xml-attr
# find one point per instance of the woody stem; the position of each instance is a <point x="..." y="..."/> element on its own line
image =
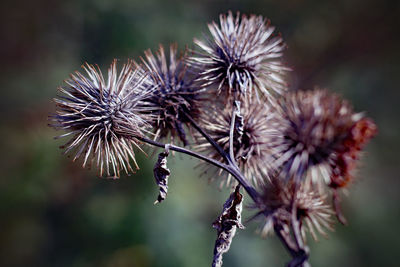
<point x="233" y="169"/>
<point x="230" y="167"/>
<point x="231" y="133"/>
<point x="207" y="137"/>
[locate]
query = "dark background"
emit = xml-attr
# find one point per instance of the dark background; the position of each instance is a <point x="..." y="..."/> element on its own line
<point x="53" y="213"/>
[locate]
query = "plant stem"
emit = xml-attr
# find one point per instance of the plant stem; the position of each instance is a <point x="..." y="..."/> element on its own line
<point x="296" y="249"/>
<point x="230" y="161"/>
<point x="230" y="168"/>
<point x="301" y="257"/>
<point x="231" y="132"/>
<point x="285" y="239"/>
<point x="207" y="137"/>
<point x="184" y="151"/>
<point x="296" y="227"/>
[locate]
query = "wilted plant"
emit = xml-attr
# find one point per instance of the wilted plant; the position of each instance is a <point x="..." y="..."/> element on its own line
<point x="290" y="151"/>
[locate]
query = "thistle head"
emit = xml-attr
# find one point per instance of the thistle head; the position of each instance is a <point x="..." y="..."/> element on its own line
<point x="250" y="146"/>
<point x="241" y="55"/>
<point x="176" y="94"/>
<point x="276" y="206"/>
<point x="316" y="135"/>
<point x="104" y="117"/>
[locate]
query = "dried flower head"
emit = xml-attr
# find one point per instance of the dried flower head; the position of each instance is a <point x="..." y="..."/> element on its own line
<point x="176" y="95"/>
<point x="316" y="134"/>
<point x="242" y="53"/>
<point x="104" y="117"/>
<point x="250" y="146"/>
<point x="277" y="202"/>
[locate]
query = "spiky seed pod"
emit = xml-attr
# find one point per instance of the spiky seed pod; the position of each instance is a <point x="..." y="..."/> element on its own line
<point x="276" y="203"/>
<point x="250" y="147"/>
<point x="316" y="135"/>
<point x="104" y="117"/>
<point x="175" y="94"/>
<point x="242" y="53"/>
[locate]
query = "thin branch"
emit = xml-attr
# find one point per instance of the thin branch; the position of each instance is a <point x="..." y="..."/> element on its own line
<point x="296" y="227"/>
<point x="231" y="132"/>
<point x="300" y="259"/>
<point x="185" y="151"/>
<point x="234" y="170"/>
<point x="286" y="241"/>
<point x="299" y="256"/>
<point x="231" y="164"/>
<point x="337" y="208"/>
<point x="208" y="138"/>
<point x="231" y="168"/>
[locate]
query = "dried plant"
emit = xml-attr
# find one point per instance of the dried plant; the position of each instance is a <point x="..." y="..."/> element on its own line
<point x="104" y="117"/>
<point x="309" y="133"/>
<point x="176" y="94"/>
<point x="241" y="53"/>
<point x="278" y="199"/>
<point x="290" y="152"/>
<point x="250" y="145"/>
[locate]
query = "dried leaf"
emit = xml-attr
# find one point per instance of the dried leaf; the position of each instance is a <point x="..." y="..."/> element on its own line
<point x="161" y="174"/>
<point x="181" y="133"/>
<point x="226" y="225"/>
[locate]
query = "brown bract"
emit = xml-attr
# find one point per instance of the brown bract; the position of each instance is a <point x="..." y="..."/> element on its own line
<point x="316" y="135"/>
<point x="345" y="162"/>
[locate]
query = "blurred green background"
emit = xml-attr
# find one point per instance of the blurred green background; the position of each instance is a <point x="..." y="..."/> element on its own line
<point x="53" y="213"/>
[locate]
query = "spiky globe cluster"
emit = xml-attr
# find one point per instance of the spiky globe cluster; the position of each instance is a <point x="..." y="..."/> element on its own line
<point x="104" y="117"/>
<point x="290" y="150"/>
<point x="176" y="94"/>
<point x="241" y="55"/>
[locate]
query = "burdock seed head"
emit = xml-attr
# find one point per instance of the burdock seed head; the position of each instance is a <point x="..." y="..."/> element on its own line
<point x="176" y="95"/>
<point x="102" y="117"/>
<point x="316" y="135"/>
<point x="251" y="147"/>
<point x="276" y="206"/>
<point x="242" y="55"/>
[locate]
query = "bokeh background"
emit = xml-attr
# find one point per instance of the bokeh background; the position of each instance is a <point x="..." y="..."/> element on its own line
<point x="53" y="213"/>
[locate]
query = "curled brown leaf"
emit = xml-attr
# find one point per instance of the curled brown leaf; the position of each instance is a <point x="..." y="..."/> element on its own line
<point x="161" y="174"/>
<point x="226" y="225"/>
